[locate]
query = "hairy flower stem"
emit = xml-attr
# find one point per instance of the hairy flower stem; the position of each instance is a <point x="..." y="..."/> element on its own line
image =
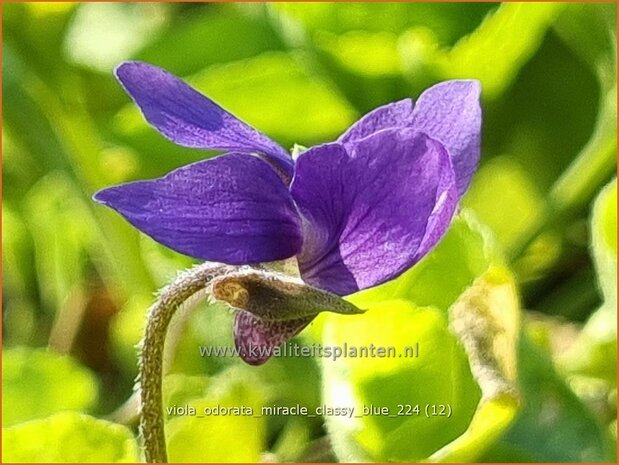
<point x="170" y="299"/>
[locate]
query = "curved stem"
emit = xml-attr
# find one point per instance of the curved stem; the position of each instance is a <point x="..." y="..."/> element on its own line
<point x="169" y="300"/>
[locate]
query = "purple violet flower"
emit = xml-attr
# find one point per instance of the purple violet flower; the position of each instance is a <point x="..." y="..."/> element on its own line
<point x="355" y="212"/>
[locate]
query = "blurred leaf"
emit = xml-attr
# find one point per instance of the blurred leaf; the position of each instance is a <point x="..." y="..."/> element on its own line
<point x="495" y="51"/>
<point x="37" y="383"/>
<point x="292" y="441"/>
<point x="54" y="209"/>
<point x="590" y="29"/>
<point x="604" y="243"/>
<point x="545" y="118"/>
<point x="596" y="161"/>
<point x="63" y="137"/>
<point x="484" y="321"/>
<point x="215" y="438"/>
<point x="49" y="9"/>
<point x="201" y="324"/>
<point x="179" y="388"/>
<point x="126" y="331"/>
<point x="379" y="51"/>
<point x="15" y="251"/>
<point x="448" y="21"/>
<point x="359" y="44"/>
<point x="390" y="382"/>
<point x="103" y="34"/>
<point x="505" y="198"/>
<point x="28" y="126"/>
<point x="595" y="351"/>
<point x="208" y="37"/>
<point x="69" y="437"/>
<point x="163" y="263"/>
<point x="36" y="31"/>
<point x="554" y="425"/>
<point x="18" y="294"/>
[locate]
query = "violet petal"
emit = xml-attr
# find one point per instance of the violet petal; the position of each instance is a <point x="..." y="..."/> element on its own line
<point x="393" y="115"/>
<point x="371" y="211"/>
<point x="255" y="338"/>
<point x="450" y="113"/>
<point x="232" y="208"/>
<point x="188" y="118"/>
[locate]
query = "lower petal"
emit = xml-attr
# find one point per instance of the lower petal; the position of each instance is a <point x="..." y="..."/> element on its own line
<point x="256" y="339"/>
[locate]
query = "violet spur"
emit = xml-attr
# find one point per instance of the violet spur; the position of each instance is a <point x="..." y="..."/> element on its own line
<point x="354" y="213"/>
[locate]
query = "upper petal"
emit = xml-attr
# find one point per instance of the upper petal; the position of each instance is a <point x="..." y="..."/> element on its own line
<point x="393" y="115"/>
<point x="232" y="208"/>
<point x="188" y="118"/>
<point x="450" y="113"/>
<point x="374" y="210"/>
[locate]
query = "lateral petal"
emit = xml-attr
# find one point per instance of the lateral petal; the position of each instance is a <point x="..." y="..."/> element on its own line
<point x="232" y="208"/>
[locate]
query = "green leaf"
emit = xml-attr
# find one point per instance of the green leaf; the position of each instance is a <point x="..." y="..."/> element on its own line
<point x="217" y="437"/>
<point x="595" y="163"/>
<point x="203" y="325"/>
<point x="447" y="21"/>
<point x="101" y="35"/>
<point x="280" y="96"/>
<point x="390" y="382"/>
<point x="543" y="120"/>
<point x="19" y="311"/>
<point x="38" y="31"/>
<point x="69" y="437"/>
<point x="359" y="44"/>
<point x="466" y="357"/>
<point x="506" y="199"/>
<point x="590" y="30"/>
<point x="486" y="320"/>
<point x="554" y="425"/>
<point x="201" y="36"/>
<point x="595" y="351"/>
<point x="61" y="226"/>
<point x="37" y="383"/>
<point x="379" y="51"/>
<point x="126" y="331"/>
<point x="604" y="243"/>
<point x="15" y="257"/>
<point x="519" y="28"/>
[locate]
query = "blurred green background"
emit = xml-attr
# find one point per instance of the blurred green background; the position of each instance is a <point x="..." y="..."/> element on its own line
<point x="78" y="279"/>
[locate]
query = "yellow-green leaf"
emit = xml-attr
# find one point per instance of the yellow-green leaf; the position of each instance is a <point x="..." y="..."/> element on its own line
<point x="69" y="437"/>
<point x="37" y="383"/>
